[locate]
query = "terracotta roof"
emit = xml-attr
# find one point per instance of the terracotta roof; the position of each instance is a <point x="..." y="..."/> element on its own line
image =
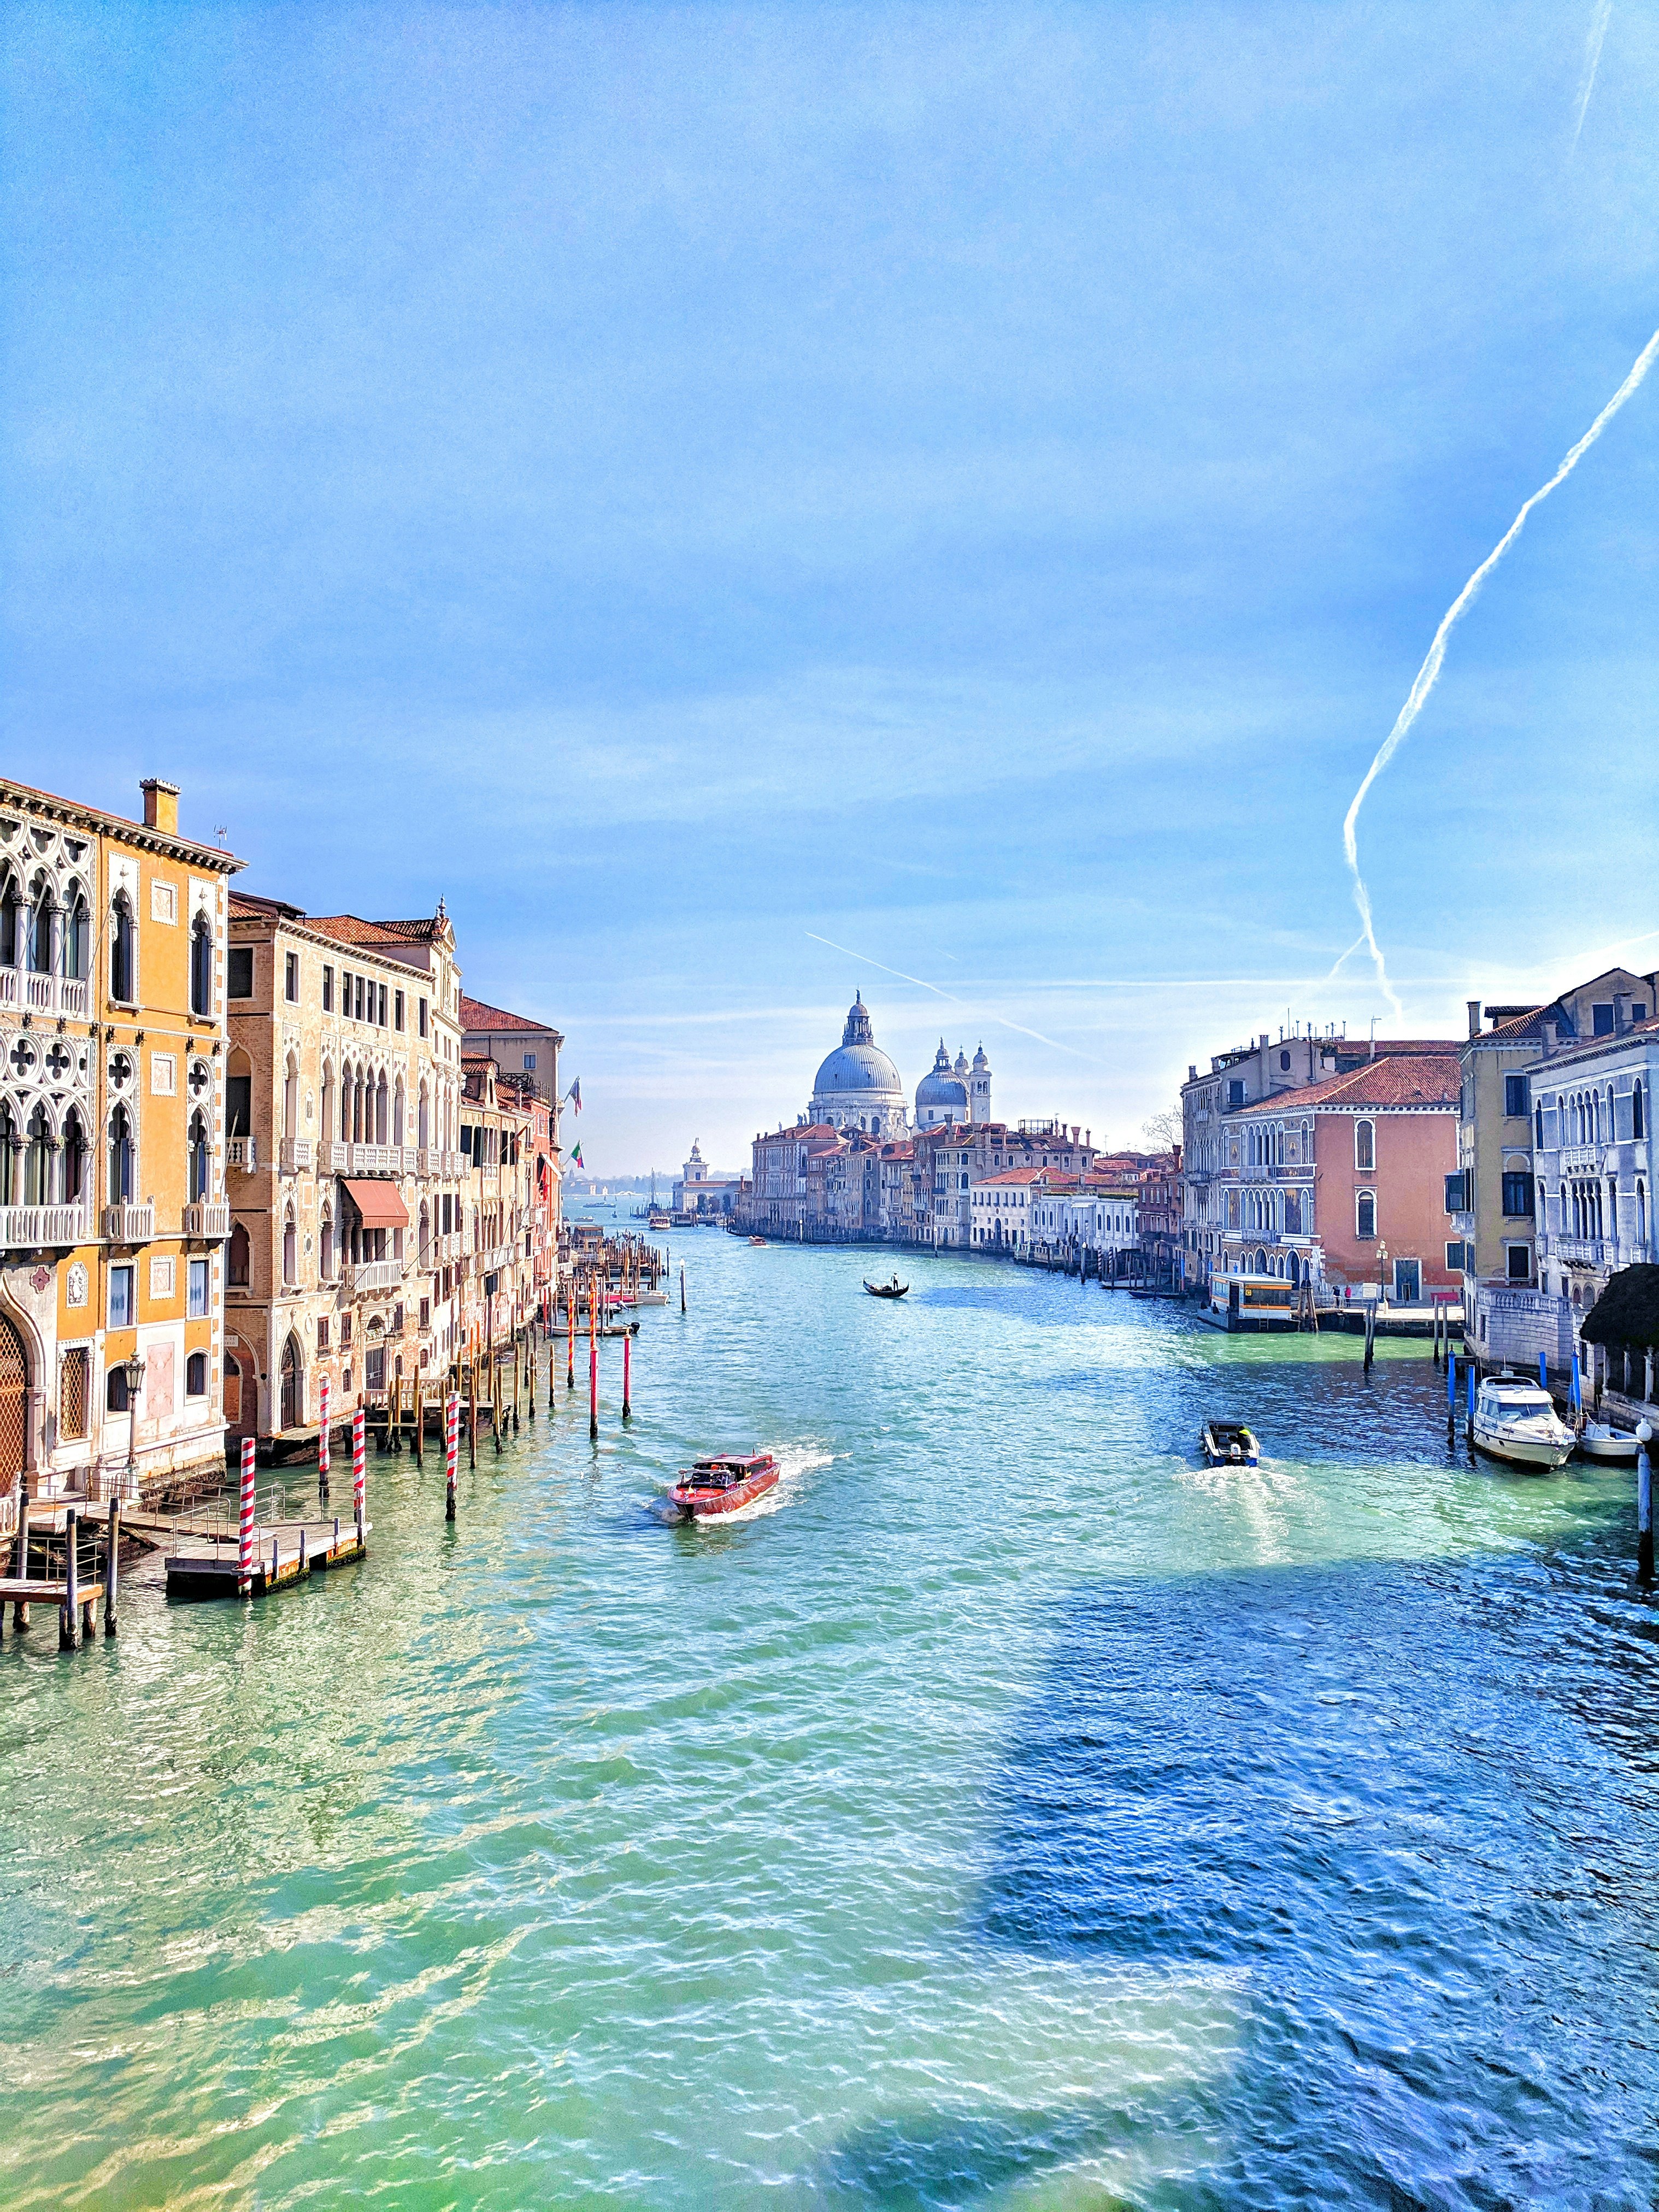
<point x="475" y="1014"/>
<point x="1015" y="1175"/>
<point x="1402" y="1080"/>
<point x="352" y="929"/>
<point x="251" y="907"/>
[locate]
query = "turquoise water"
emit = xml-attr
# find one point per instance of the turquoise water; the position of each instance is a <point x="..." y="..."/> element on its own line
<point x="1007" y="1812"/>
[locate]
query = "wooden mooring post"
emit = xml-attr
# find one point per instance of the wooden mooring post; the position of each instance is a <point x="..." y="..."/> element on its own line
<point x="682" y="1286"/>
<point x="322" y="1441"/>
<point x="1371" y="1334"/>
<point x="19" y="1608"/>
<point x="628" y="1352"/>
<point x="472" y="1409"/>
<point x="68" y="1616"/>
<point x="112" y="1567"/>
<point x="420" y="1419"/>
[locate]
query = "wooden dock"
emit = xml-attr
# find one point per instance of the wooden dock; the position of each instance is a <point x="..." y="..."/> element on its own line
<point x="284" y="1553"/>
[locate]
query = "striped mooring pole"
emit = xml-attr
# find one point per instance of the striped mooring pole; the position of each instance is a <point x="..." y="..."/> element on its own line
<point x="357" y="1470"/>
<point x="452" y="1445"/>
<point x="322" y="1439"/>
<point x="245" y="1549"/>
<point x="1643" y="1502"/>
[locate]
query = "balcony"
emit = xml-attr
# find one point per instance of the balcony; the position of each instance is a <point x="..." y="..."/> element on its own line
<point x="70" y="996"/>
<point x="129" y="1224"/>
<point x="209" y="1220"/>
<point x="31" y="1228"/>
<point x="362" y="1276"/>
<point x="243" y="1152"/>
<point x="1576" y="1159"/>
<point x="373" y="1159"/>
<point x="332" y="1158"/>
<point x="296" y="1153"/>
<point x="1588" y="1251"/>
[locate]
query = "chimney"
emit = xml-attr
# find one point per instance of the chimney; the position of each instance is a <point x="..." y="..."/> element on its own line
<point x="161" y="805"/>
<point x="1620" y="1011"/>
<point x="1266" y="1040"/>
<point x="1474" y="1017"/>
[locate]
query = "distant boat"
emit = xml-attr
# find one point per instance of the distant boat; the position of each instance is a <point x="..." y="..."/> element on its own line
<point x="1515" y="1420"/>
<point x="1601" y="1440"/>
<point x="1230" y="1444"/>
<point x="723" y="1483"/>
<point x="757" y="1240"/>
<point x="893" y="1289"/>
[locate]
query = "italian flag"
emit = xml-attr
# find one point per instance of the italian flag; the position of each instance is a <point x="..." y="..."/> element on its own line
<point x="576" y="1159"/>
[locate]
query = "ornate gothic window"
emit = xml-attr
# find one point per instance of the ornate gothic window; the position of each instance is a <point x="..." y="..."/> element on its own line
<point x="201" y="965"/>
<point x="122" y="972"/>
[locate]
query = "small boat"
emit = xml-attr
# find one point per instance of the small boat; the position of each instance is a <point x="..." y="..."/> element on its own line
<point x="658" y="1220"/>
<point x="1601" y="1440"/>
<point x="723" y="1483"/>
<point x="1230" y="1444"/>
<point x="757" y="1240"/>
<point x="1515" y="1420"/>
<point x="893" y="1289"/>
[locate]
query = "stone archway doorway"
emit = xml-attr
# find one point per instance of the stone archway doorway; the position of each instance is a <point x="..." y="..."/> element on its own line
<point x="293" y="1407"/>
<point x="241" y="1395"/>
<point x="14" y="1407"/>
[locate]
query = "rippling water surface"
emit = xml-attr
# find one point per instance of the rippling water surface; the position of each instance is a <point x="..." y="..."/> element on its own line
<point x="1007" y="1813"/>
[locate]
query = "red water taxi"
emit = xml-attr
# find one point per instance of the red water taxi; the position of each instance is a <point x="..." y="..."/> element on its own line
<point x="723" y="1483"/>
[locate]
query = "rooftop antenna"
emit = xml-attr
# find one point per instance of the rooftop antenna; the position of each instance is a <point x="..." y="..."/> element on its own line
<point x="222" y="830"/>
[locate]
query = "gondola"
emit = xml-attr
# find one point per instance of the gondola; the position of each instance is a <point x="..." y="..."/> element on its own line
<point x="893" y="1289"/>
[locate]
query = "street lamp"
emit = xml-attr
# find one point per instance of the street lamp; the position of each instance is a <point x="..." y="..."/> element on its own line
<point x="133" y="1367"/>
<point x="1382" y="1262"/>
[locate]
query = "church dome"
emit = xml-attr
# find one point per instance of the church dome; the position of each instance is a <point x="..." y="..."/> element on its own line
<point x="942" y="1090"/>
<point x="858" y="1072"/>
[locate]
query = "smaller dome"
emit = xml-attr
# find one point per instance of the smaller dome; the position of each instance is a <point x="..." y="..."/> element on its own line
<point x="961" y="1067"/>
<point x="981" y="1066"/>
<point x="942" y="1090"/>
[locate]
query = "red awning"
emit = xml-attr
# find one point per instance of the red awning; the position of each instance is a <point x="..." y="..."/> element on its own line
<point x="379" y="1203"/>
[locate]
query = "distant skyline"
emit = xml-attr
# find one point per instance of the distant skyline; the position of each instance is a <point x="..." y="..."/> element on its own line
<point x="753" y="504"/>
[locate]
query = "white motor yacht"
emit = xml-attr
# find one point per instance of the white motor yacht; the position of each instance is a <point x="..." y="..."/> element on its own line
<point x="1515" y="1420"/>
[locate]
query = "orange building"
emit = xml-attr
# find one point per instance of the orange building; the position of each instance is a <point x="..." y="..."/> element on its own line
<point x="112" y="1212"/>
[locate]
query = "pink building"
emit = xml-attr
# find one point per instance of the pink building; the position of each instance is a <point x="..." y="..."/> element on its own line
<point x="1347" y="1179"/>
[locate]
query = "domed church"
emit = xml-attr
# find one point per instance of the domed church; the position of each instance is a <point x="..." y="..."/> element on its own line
<point x="955" y="1092"/>
<point x="858" y="1087"/>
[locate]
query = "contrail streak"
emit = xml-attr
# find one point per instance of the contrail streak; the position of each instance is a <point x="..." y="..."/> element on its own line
<point x="1429" y="674"/>
<point x="921" y="981"/>
<point x="1593" y="44"/>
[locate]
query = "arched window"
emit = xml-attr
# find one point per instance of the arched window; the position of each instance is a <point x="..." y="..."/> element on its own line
<point x="1365" y="1146"/>
<point x="237" y="1257"/>
<point x="290" y="1253"/>
<point x="1641" y="1211"/>
<point x="122" y="973"/>
<point x="41" y="914"/>
<point x="325" y="1247"/>
<point x="77" y="935"/>
<point x="200" y="1169"/>
<point x="75" y="1157"/>
<point x="1638" y="1112"/>
<point x="1365" y="1216"/>
<point x="8" y="1145"/>
<point x="115" y="1387"/>
<point x="293" y="1399"/>
<point x="380" y="1101"/>
<point x="11" y="934"/>
<point x="397" y="1136"/>
<point x="120" y="1157"/>
<point x="201" y="965"/>
<point x="291" y="1098"/>
<point x="424" y="1123"/>
<point x="424" y="1232"/>
<point x="37" y="1160"/>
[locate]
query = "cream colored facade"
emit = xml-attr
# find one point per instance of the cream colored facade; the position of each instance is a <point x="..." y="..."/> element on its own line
<point x="112" y="1213"/>
<point x="347" y="1179"/>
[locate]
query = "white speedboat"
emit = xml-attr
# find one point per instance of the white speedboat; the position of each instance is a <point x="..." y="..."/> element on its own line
<point x="1515" y="1420"/>
<point x="1601" y="1440"/>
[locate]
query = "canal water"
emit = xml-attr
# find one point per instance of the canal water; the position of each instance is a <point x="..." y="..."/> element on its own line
<point x="1007" y="1813"/>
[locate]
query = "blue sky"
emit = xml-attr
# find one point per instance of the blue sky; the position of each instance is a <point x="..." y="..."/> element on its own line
<point x="971" y="485"/>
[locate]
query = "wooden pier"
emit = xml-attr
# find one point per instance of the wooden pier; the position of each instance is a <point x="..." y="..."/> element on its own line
<point x="285" y="1553"/>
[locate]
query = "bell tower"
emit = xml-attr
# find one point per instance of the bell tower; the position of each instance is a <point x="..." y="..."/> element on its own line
<point x="979" y="1088"/>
